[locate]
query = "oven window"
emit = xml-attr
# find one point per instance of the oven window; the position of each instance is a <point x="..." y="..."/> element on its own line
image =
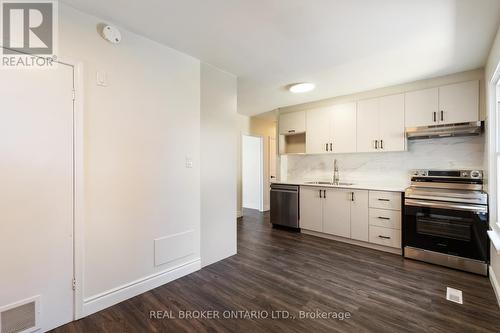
<point x="445" y="226"/>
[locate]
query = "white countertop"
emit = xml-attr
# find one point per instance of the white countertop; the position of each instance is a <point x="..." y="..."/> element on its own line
<point x="357" y="185"/>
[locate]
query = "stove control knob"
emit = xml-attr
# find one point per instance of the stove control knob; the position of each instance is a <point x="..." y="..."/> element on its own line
<point x="475" y="174"/>
<point x="465" y="174"/>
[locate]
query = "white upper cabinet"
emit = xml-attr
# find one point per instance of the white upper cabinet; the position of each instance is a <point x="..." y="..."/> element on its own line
<point x="343" y="127"/>
<point x="381" y="124"/>
<point x="292" y="123"/>
<point x="392" y="123"/>
<point x="331" y="129"/>
<point x="422" y="107"/>
<point x="318" y="132"/>
<point x="368" y="125"/>
<point x="454" y="103"/>
<point x="459" y="103"/>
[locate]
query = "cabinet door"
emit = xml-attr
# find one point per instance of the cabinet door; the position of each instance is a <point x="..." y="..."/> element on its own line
<point x="392" y="123"/>
<point x="318" y="131"/>
<point x="359" y="216"/>
<point x="291" y="123"/>
<point x="367" y="125"/>
<point x="459" y="103"/>
<point x="343" y="125"/>
<point x="421" y="108"/>
<point x="311" y="209"/>
<point x="337" y="213"/>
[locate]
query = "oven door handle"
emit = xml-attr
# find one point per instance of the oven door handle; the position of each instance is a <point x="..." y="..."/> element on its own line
<point x="445" y="205"/>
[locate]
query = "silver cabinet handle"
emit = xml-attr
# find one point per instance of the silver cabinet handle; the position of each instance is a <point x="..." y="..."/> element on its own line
<point x="442" y="115"/>
<point x="380" y="199"/>
<point x="383" y="218"/>
<point x="383" y="237"/>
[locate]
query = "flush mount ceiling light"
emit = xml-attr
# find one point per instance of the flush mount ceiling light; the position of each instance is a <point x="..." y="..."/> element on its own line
<point x="299" y="88"/>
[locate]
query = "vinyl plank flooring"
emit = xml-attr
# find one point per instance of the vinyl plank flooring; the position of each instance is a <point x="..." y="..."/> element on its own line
<point x="277" y="270"/>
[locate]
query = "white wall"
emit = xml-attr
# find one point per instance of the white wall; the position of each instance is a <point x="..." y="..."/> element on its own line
<point x="218" y="164"/>
<point x="252" y="171"/>
<point x="491" y="65"/>
<point x="138" y="132"/>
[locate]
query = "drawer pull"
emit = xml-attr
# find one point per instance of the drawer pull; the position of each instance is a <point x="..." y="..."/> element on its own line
<point x="384" y="218"/>
<point x="379" y="199"/>
<point x="383" y="237"/>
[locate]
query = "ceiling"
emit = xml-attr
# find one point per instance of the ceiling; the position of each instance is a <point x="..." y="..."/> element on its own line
<point x="343" y="46"/>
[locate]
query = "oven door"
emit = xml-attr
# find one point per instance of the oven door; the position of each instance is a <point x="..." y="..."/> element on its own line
<point x="451" y="228"/>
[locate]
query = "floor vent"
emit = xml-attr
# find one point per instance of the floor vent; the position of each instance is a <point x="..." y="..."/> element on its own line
<point x="19" y="318"/>
<point x="454" y="295"/>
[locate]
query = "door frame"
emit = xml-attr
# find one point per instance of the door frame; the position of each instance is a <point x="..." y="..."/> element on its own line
<point x="261" y="170"/>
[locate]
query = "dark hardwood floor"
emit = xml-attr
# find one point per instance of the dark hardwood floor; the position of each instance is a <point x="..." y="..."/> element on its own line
<point x="277" y="270"/>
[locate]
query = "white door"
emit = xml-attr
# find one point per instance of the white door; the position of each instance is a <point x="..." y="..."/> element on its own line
<point x="311" y="208"/>
<point x="368" y="125"/>
<point x="343" y="120"/>
<point x="359" y="215"/>
<point x="459" y="103"/>
<point x="36" y="192"/>
<point x="252" y="172"/>
<point x="421" y="107"/>
<point x="318" y="131"/>
<point x="273" y="155"/>
<point x="337" y="213"/>
<point x="392" y="123"/>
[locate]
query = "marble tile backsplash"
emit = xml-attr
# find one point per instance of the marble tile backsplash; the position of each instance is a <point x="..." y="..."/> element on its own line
<point x="444" y="153"/>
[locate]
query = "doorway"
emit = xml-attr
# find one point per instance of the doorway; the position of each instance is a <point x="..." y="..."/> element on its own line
<point x="37" y="197"/>
<point x="252" y="172"/>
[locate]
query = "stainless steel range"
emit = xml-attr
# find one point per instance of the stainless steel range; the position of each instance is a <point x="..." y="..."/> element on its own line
<point x="446" y="219"/>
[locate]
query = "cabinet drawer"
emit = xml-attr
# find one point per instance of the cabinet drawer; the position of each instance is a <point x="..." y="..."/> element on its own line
<point x="385" y="236"/>
<point x="385" y="218"/>
<point x="385" y="200"/>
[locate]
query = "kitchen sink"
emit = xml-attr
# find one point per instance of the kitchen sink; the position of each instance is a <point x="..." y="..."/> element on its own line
<point x="330" y="183"/>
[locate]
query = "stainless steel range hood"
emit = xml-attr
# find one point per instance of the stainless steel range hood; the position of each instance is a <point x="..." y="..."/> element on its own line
<point x="444" y="131"/>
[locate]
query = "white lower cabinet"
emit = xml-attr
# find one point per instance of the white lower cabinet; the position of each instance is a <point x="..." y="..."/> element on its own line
<point x="352" y="214"/>
<point x="385" y="218"/>
<point x="338" y="212"/>
<point x="311" y="208"/>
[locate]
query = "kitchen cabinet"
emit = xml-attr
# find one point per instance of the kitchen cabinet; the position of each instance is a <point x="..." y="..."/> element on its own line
<point x="331" y="129"/>
<point x="359" y="215"/>
<point x="339" y="212"/>
<point x="454" y="103"/>
<point x="381" y="124"/>
<point x="459" y="103"/>
<point x="292" y="123"/>
<point x="311" y="208"/>
<point x="385" y="218"/>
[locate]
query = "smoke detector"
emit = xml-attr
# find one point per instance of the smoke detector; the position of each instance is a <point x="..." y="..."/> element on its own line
<point x="111" y="34"/>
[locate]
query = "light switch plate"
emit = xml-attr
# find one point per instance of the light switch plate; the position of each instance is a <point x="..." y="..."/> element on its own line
<point x="102" y="79"/>
<point x="189" y="163"/>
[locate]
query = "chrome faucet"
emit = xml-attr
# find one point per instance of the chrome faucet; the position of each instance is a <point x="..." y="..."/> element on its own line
<point x="336" y="178"/>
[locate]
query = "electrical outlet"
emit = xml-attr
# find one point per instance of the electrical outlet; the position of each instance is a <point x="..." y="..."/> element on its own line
<point x="189" y="163"/>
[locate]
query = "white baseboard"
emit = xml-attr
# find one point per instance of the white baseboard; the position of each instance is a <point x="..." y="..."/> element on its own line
<point x="111" y="297"/>
<point x="495" y="284"/>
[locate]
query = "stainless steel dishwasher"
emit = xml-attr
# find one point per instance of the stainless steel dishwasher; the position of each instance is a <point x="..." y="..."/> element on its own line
<point x="285" y="205"/>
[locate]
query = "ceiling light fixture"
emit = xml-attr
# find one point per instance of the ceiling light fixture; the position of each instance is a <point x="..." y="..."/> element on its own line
<point x="299" y="88"/>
